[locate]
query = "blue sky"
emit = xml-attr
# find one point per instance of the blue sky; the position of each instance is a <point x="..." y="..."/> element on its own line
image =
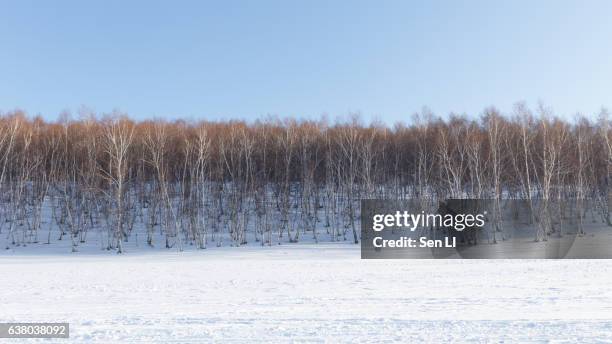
<point x="249" y="59"/>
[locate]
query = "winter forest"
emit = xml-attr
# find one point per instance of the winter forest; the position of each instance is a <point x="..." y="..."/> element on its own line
<point x="106" y="178"/>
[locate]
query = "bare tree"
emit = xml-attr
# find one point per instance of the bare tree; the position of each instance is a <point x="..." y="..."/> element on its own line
<point x="118" y="137"/>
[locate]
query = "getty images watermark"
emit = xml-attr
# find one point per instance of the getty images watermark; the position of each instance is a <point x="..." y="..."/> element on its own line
<point x="480" y="228"/>
<point x="411" y="222"/>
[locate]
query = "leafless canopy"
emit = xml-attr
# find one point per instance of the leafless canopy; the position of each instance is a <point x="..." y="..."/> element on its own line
<point x="272" y="181"/>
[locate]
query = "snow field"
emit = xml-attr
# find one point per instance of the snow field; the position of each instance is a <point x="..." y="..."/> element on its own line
<point x="306" y="293"/>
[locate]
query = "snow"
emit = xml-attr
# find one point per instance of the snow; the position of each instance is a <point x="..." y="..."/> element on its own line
<point x="305" y="293"/>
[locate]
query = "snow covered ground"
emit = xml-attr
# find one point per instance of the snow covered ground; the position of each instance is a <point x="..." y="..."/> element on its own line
<point x="305" y="293"/>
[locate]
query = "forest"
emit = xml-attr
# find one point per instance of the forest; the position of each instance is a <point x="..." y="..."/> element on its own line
<point x="205" y="183"/>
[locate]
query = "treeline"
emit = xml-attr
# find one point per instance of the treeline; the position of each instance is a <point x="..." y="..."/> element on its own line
<point x="197" y="183"/>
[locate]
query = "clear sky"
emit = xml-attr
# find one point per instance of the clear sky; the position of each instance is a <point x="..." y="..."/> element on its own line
<point x="247" y="59"/>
